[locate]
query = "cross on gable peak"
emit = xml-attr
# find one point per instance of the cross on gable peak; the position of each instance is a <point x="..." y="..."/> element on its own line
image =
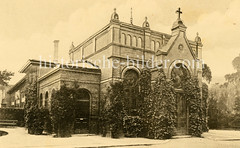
<point x="179" y="12"/>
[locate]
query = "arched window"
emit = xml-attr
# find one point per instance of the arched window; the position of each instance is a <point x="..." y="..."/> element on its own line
<point x="53" y="93"/>
<point x="139" y="42"/>
<point x="163" y="40"/>
<point x="41" y="100"/>
<point x="131" y="77"/>
<point x="123" y="39"/>
<point x="153" y="45"/>
<point x="46" y="99"/>
<point x="178" y="74"/>
<point x="128" y="40"/>
<point x="134" y="41"/>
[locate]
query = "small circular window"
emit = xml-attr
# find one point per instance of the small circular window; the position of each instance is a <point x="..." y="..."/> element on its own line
<point x="180" y="47"/>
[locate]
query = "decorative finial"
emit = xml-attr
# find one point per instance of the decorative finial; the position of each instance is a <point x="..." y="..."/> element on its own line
<point x="115" y="16"/>
<point x="145" y="23"/>
<point x="198" y="39"/>
<point x="179" y="13"/>
<point x="131" y="19"/>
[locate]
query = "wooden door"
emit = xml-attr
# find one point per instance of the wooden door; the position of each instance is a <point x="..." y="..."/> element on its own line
<point x="182" y="123"/>
<point x="82" y="112"/>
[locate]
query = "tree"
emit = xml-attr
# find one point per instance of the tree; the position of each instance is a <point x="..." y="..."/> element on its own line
<point x="5" y="77"/>
<point x="62" y="111"/>
<point x="34" y="116"/>
<point x="206" y="73"/>
<point x="237" y="105"/>
<point x="234" y="78"/>
<point x="205" y="106"/>
<point x="233" y="83"/>
<point x="236" y="117"/>
<point x="218" y="111"/>
<point x="236" y="63"/>
<point x="212" y="112"/>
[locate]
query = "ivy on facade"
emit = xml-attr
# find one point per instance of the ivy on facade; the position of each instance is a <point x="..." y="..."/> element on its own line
<point x="205" y="107"/>
<point x="192" y="94"/>
<point x="161" y="108"/>
<point x="153" y="118"/>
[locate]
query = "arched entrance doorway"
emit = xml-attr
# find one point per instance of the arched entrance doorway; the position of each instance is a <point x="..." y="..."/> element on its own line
<point x="178" y="74"/>
<point x="82" y="111"/>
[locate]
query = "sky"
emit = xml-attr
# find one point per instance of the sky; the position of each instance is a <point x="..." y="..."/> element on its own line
<point x="28" y="27"/>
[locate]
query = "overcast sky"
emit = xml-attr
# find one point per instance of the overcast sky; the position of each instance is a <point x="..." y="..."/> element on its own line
<point x="28" y="27"/>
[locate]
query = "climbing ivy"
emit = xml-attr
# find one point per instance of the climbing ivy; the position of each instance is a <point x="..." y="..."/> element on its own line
<point x="116" y="111"/>
<point x="192" y="94"/>
<point x="145" y="82"/>
<point x="204" y="107"/>
<point x="160" y="109"/>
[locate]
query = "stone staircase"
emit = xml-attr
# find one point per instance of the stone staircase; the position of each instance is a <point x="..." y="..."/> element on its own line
<point x="8" y="122"/>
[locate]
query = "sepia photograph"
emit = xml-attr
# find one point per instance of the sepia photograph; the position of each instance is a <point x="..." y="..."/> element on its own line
<point x="119" y="74"/>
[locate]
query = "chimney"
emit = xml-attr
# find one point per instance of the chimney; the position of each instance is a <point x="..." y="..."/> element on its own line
<point x="55" y="56"/>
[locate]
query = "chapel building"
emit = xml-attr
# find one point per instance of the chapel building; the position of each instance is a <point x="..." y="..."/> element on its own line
<point x="112" y="54"/>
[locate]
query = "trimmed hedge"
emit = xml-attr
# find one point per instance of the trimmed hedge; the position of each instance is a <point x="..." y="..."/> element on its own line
<point x="12" y="114"/>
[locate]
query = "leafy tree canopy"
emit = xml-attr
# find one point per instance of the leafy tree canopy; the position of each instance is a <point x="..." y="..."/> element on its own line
<point x="234" y="78"/>
<point x="5" y="77"/>
<point x="237" y="105"/>
<point x="236" y="63"/>
<point x="206" y="73"/>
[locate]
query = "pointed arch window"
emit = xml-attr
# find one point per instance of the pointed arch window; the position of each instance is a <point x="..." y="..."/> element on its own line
<point x="131" y="77"/>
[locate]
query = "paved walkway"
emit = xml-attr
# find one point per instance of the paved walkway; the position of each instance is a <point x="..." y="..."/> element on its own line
<point x="18" y="138"/>
<point x="223" y="135"/>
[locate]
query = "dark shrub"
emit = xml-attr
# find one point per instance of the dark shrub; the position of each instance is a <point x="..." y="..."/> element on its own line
<point x="12" y="114"/>
<point x="34" y="116"/>
<point x="48" y="128"/>
<point x="62" y="112"/>
<point x="132" y="126"/>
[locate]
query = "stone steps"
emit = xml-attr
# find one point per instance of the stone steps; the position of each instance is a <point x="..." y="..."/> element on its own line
<point x="8" y="122"/>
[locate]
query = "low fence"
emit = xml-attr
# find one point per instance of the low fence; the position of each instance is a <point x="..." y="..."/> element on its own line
<point x="12" y="114"/>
